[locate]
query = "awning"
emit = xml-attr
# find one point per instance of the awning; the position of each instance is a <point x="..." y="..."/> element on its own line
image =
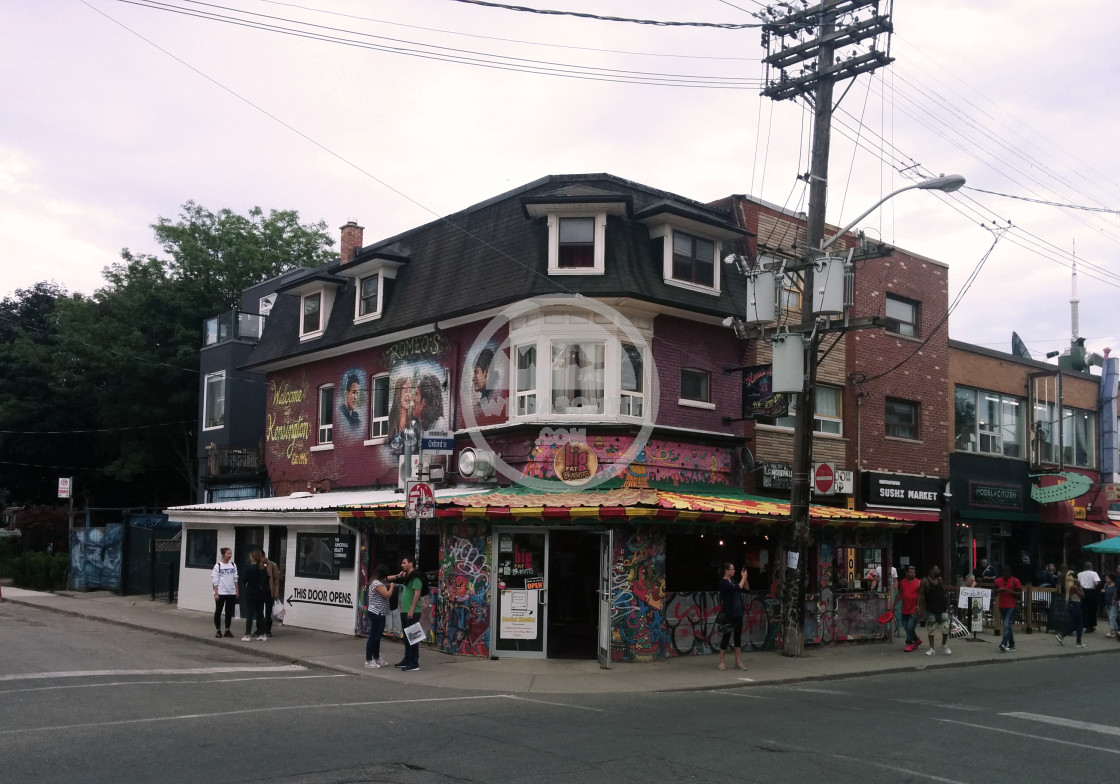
<point x="651" y="505"/>
<point x="1099" y="528"/>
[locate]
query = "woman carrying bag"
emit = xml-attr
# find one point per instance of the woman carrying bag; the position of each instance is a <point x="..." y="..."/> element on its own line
<point x="1074" y="594"/>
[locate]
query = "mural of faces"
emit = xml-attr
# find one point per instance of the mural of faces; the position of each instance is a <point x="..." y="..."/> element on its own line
<point x="419" y="401"/>
<point x="352" y="403"/>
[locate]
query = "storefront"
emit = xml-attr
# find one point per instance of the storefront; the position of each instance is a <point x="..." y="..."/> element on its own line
<point x="918" y="499"/>
<point x="625" y="575"/>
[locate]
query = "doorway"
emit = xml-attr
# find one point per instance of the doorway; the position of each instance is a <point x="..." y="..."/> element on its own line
<point x="573" y="601"/>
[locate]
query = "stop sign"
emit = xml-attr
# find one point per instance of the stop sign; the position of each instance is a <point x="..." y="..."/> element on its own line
<point x="824" y="478"/>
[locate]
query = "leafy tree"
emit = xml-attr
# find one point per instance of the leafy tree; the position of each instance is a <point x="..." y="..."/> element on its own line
<point x="124" y="362"/>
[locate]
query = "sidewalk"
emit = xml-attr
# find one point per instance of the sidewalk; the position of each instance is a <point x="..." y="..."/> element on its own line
<point x="344" y="653"/>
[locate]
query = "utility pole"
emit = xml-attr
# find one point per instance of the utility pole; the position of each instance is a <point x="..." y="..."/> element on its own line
<point x="836" y="24"/>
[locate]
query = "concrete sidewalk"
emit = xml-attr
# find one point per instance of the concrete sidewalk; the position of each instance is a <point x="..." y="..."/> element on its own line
<point x="345" y="653"/>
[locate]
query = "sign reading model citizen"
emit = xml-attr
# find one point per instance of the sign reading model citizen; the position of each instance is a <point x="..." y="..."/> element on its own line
<point x="902" y="490"/>
<point x="998" y="496"/>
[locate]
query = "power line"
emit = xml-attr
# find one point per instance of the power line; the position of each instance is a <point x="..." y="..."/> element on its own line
<point x="596" y="17"/>
<point x="1047" y="203"/>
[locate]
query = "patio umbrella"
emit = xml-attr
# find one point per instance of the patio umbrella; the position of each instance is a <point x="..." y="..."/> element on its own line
<point x="1107" y="546"/>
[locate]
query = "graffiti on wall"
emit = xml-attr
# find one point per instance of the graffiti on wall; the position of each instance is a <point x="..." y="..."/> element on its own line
<point x="691" y="621"/>
<point x="287" y="426"/>
<point x="638" y="629"/>
<point x="666" y="462"/>
<point x="461" y="614"/>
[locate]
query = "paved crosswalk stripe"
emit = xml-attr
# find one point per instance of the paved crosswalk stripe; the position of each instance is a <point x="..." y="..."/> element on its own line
<point x="1103" y="729"/>
<point x="27" y="676"/>
<point x="1034" y="737"/>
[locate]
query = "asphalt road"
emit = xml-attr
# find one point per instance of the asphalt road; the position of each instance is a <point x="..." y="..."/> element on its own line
<point x="83" y="701"/>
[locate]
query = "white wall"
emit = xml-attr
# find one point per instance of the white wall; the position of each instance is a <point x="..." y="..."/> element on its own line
<point x="196" y="592"/>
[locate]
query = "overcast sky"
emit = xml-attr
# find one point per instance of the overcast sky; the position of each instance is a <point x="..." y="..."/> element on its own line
<point x="114" y="114"/>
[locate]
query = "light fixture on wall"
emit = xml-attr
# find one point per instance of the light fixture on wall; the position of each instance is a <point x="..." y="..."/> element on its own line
<point x="476" y="463"/>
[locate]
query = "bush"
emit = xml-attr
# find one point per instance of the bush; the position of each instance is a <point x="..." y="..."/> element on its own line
<point x="40" y="571"/>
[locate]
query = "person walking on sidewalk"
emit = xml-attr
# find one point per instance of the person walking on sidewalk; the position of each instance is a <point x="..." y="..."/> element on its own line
<point x="908" y="589"/>
<point x="224" y="578"/>
<point x="378" y="608"/>
<point x="256" y="595"/>
<point x="1109" y="594"/>
<point x="273" y="572"/>
<point x="1090" y="586"/>
<point x="932" y="601"/>
<point x="1074" y="594"/>
<point x="413" y="588"/>
<point x="731" y="604"/>
<point x="1009" y="589"/>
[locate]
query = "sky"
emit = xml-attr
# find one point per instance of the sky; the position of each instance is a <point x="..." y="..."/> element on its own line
<point x="113" y="114"/>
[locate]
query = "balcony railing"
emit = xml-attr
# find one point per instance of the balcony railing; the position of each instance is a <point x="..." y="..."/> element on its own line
<point x="233" y="325"/>
<point x="229" y="461"/>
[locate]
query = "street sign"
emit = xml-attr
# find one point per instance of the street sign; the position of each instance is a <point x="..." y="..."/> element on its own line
<point x="824" y="478"/>
<point x="64" y="483"/>
<point x="420" y="500"/>
<point x="437" y="442"/>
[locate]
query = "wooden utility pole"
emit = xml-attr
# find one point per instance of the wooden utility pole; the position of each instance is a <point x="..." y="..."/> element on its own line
<point x="817" y="77"/>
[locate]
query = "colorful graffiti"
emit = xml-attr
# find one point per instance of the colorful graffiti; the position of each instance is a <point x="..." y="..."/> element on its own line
<point x="287" y="427"/>
<point x="690" y="618"/>
<point x="678" y="464"/>
<point x="638" y="629"/>
<point x="461" y="612"/>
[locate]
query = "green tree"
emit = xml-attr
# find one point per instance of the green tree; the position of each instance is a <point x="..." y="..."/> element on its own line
<point x="124" y="362"/>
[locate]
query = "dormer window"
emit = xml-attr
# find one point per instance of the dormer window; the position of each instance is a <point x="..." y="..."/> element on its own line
<point x="694" y="259"/>
<point x="312" y="308"/>
<point x="369" y="297"/>
<point x="577" y="243"/>
<point x="577" y="229"/>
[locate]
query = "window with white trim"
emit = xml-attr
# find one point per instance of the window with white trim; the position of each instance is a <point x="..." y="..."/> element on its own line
<point x="1079" y="438"/>
<point x="311" y="322"/>
<point x="576" y="249"/>
<point x="326" y="414"/>
<point x="694" y="259"/>
<point x="989" y="423"/>
<point x="632" y="398"/>
<point x="214" y="401"/>
<point x="695" y="385"/>
<point x="577" y="377"/>
<point x="379" y="406"/>
<point x="369" y="297"/>
<point x="828" y="412"/>
<point x="525" y="380"/>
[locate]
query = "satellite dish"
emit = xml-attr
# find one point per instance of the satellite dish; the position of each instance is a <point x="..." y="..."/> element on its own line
<point x="1018" y="347"/>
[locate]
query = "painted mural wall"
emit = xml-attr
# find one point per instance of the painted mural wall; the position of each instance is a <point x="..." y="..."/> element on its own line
<point x="461" y="612"/>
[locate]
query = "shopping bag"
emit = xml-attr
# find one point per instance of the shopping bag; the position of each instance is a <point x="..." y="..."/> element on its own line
<point x="957" y="630"/>
<point x="278" y="611"/>
<point x="414" y="634"/>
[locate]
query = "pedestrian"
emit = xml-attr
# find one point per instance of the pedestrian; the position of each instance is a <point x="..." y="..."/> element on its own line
<point x="256" y="592"/>
<point x="731" y="605"/>
<point x="1074" y="594"/>
<point x="1090" y="584"/>
<point x="411" y="592"/>
<point x="273" y="591"/>
<point x="224" y="578"/>
<point x="1009" y="589"/>
<point x="1110" y="602"/>
<point x="970" y="581"/>
<point x="987" y="570"/>
<point x="933" y="602"/>
<point x="378" y="608"/>
<point x="908" y="589"/>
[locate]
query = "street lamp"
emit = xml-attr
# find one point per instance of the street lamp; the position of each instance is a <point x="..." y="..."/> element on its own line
<point x="793" y="637"/>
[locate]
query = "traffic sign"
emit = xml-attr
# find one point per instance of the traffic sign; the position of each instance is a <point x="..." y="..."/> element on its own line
<point x="64" y="485"/>
<point x="824" y="478"/>
<point x="420" y="500"/>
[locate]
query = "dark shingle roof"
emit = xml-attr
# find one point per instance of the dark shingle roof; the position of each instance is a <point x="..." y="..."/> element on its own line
<point x="494" y="253"/>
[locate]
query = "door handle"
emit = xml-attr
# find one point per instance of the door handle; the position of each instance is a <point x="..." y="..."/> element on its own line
<point x="541" y="596"/>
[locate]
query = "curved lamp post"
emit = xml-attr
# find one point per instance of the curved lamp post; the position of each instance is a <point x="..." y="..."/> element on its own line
<point x="946" y="183"/>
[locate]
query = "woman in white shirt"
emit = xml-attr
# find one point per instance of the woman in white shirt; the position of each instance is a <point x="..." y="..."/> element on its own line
<point x="378" y="608"/>
<point x="224" y="578"/>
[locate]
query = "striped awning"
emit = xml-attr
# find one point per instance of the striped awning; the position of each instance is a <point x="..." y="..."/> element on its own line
<point x="652" y="505"/>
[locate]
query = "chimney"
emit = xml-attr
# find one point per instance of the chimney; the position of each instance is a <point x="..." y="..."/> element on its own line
<point x="351" y="241"/>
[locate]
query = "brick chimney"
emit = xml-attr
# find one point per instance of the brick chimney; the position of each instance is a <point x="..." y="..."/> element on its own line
<point x="351" y="241"/>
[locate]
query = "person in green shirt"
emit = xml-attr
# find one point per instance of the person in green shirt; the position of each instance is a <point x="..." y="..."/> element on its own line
<point x="412" y="589"/>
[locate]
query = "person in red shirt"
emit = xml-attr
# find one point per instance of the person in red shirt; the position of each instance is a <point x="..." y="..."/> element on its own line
<point x="908" y="590"/>
<point x="1009" y="589"/>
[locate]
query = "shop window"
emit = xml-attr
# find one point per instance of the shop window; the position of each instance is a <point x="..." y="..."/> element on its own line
<point x="901" y="420"/>
<point x="315" y="556"/>
<point x="202" y="549"/>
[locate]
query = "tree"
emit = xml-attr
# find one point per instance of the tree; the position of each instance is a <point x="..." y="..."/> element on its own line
<point x="123" y="364"/>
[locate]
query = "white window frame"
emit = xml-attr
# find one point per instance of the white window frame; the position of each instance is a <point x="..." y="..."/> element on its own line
<point x="326" y="299"/>
<point x="325" y="431"/>
<point x="360" y="317"/>
<point x="671" y="241"/>
<point x="821" y="421"/>
<point x="212" y="377"/>
<point x="564" y="328"/>
<point x="600" y="240"/>
<point x="665" y="232"/>
<point x="632" y="402"/>
<point x="378" y="425"/>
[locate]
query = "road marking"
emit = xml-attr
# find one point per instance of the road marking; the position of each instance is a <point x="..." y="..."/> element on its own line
<point x="27" y="676"/>
<point x="218" y="714"/>
<point x="945" y="705"/>
<point x="1104" y="729"/>
<point x="862" y="761"/>
<point x="811" y="690"/>
<point x="557" y="704"/>
<point x="169" y="683"/>
<point x="1033" y="737"/>
<point x="749" y="695"/>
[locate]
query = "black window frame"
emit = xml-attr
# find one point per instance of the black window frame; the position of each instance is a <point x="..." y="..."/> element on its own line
<point x="707" y="385"/>
<point x="301" y="569"/>
<point x="200" y="540"/>
<point x="888" y="423"/>
<point x="898" y="326"/>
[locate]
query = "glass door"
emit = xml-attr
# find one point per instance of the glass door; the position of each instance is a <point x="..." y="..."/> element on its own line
<point x="606" y="569"/>
<point x="520" y="623"/>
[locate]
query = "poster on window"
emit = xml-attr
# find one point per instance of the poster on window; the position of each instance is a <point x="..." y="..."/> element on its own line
<point x="519" y="615"/>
